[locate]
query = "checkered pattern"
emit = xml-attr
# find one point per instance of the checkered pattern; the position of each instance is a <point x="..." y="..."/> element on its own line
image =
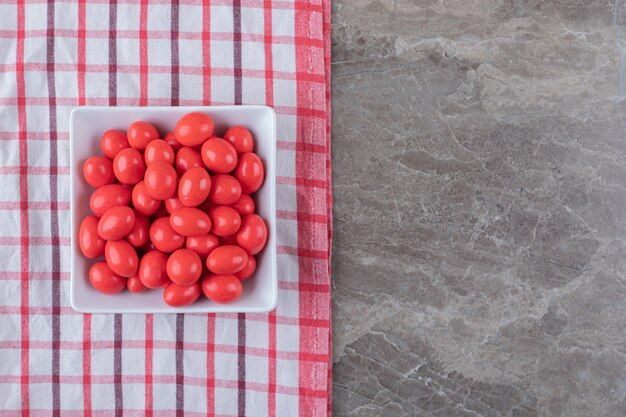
<point x="58" y="55"/>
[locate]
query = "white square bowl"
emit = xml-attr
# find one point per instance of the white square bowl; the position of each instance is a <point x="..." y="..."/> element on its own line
<point x="86" y="127"/>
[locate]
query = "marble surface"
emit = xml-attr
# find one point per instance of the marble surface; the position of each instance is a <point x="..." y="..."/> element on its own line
<point x="479" y="169"/>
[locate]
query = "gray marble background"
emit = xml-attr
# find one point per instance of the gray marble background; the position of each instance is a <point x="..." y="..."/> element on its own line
<point x="479" y="168"/>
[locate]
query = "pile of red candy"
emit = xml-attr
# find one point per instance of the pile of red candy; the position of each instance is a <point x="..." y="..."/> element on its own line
<point x="174" y="213"/>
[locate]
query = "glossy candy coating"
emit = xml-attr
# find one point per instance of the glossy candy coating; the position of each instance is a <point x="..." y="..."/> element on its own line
<point x="189" y="221"/>
<point x="140" y="134"/>
<point x="240" y="138"/>
<point x="187" y="158"/>
<point x="90" y="243"/>
<point x="225" y="189"/>
<point x="153" y="269"/>
<point x="184" y="267"/>
<point x="252" y="234"/>
<point x="225" y="220"/>
<point x="140" y="233"/>
<point x="227" y="259"/>
<point x="135" y="285"/>
<point x="194" y="186"/>
<point x="108" y="196"/>
<point x="247" y="270"/>
<point x="98" y="171"/>
<point x="121" y="257"/>
<point x="250" y="172"/>
<point x="181" y="295"/>
<point x="193" y="129"/>
<point x="202" y="245"/>
<point x="170" y="138"/>
<point x="116" y="223"/>
<point x="219" y="156"/>
<point x="160" y="180"/>
<point x="129" y="166"/>
<point x="159" y="150"/>
<point x="106" y="281"/>
<point x="222" y="289"/>
<point x="112" y="142"/>
<point x="142" y="201"/>
<point x="172" y="204"/>
<point x="164" y="237"/>
<point x="245" y="204"/>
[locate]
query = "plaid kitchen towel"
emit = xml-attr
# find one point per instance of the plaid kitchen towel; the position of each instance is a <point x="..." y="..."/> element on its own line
<point x="58" y="55"/>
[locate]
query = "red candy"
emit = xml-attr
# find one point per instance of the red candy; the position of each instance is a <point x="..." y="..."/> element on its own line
<point x="116" y="223"/>
<point x="219" y="156"/>
<point x="222" y="289"/>
<point x="187" y="158"/>
<point x="249" y="172"/>
<point x="170" y="138"/>
<point x="135" y="285"/>
<point x="247" y="270"/>
<point x="191" y="209"/>
<point x="143" y="202"/>
<point x="164" y="237"/>
<point x="98" y="171"/>
<point x="193" y="129"/>
<point x="112" y="142"/>
<point x="159" y="150"/>
<point x="225" y="189"/>
<point x="129" y="166"/>
<point x="245" y="204"/>
<point x="202" y="245"/>
<point x="89" y="241"/>
<point x="227" y="259"/>
<point x="226" y="221"/>
<point x="189" y="221"/>
<point x="121" y="257"/>
<point x="152" y="269"/>
<point x="240" y="138"/>
<point x="194" y="187"/>
<point x="184" y="267"/>
<point x="160" y="180"/>
<point x="108" y="196"/>
<point x="103" y="279"/>
<point x="181" y="295"/>
<point x="140" y="134"/>
<point x="172" y="204"/>
<point x="140" y="233"/>
<point x="252" y="234"/>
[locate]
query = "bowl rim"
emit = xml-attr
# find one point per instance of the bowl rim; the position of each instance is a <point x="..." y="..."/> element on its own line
<point x="164" y="309"/>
